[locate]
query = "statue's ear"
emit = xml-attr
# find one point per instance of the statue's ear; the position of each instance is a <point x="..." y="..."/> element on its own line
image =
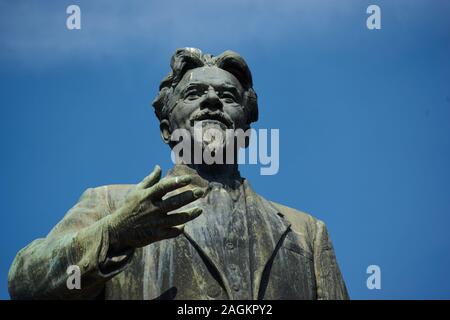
<point x="166" y="131"/>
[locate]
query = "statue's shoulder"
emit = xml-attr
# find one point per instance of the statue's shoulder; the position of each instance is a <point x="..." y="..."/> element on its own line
<point x="300" y="221"/>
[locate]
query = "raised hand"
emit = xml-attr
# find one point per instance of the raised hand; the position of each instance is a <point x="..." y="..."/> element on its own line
<point x="142" y="218"/>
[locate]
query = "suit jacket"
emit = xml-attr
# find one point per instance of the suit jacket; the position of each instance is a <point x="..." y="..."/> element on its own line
<point x="291" y="257"/>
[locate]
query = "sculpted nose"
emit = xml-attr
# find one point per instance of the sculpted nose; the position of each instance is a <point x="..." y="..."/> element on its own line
<point x="211" y="100"/>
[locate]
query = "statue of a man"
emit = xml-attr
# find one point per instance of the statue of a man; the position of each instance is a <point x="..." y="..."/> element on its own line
<point x="201" y="232"/>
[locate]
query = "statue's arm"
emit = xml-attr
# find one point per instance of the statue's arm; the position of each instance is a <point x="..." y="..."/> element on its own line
<point x="329" y="280"/>
<point x="39" y="271"/>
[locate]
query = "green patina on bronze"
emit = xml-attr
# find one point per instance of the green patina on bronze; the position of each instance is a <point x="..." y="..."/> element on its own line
<point x="201" y="232"/>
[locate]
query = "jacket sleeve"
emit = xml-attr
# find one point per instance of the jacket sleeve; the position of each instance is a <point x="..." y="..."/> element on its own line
<point x="329" y="280"/>
<point x="40" y="270"/>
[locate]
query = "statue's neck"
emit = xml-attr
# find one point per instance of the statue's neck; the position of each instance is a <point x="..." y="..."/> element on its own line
<point x="223" y="173"/>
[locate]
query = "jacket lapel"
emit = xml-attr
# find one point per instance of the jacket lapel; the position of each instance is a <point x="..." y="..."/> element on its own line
<point x="210" y="259"/>
<point x="268" y="229"/>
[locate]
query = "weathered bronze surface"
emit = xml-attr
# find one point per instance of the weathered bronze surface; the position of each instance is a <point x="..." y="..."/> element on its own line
<point x="220" y="241"/>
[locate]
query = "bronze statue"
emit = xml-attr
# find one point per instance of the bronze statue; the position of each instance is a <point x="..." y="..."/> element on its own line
<point x="201" y="232"/>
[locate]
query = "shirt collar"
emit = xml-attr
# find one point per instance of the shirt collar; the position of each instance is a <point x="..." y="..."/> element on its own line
<point x="230" y="183"/>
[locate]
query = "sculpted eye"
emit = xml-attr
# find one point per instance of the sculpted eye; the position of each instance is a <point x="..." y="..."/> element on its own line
<point x="191" y="95"/>
<point x="228" y="97"/>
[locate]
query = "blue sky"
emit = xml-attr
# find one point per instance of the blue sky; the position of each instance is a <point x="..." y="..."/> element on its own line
<point x="364" y="118"/>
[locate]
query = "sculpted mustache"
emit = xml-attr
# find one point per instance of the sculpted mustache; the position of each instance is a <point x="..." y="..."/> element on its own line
<point x="213" y="116"/>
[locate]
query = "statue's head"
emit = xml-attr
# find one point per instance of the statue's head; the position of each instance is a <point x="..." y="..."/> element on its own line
<point x="214" y="90"/>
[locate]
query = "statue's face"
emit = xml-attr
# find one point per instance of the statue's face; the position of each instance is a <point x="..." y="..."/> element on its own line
<point x="210" y="95"/>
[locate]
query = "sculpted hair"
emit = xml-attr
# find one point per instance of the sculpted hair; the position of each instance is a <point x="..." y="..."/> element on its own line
<point x="186" y="59"/>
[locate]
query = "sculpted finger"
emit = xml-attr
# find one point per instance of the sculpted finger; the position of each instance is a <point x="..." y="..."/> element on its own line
<point x="171" y="232"/>
<point x="180" y="227"/>
<point x="180" y="200"/>
<point x="151" y="179"/>
<point x="164" y="186"/>
<point x="181" y="218"/>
